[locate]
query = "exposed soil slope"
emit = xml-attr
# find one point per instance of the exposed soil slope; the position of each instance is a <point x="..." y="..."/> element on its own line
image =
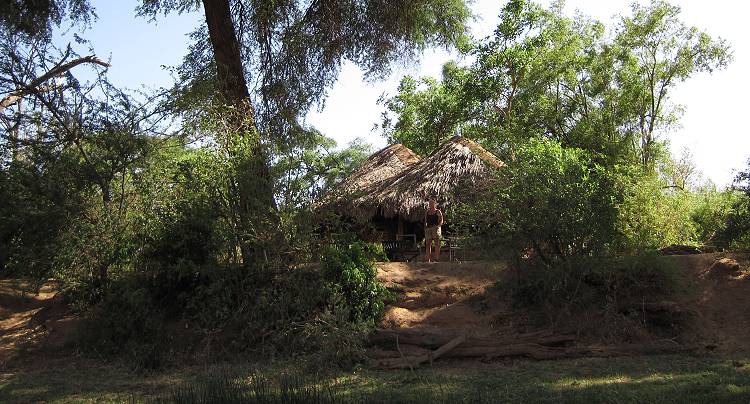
<point x="444" y="296"/>
<point x="31" y="320"/>
<point x="452" y="298"/>
<point x="719" y="298"/>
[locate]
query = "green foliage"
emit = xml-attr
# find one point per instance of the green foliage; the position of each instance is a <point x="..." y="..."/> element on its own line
<point x="306" y="169"/>
<point x="653" y="216"/>
<point x="736" y="233"/>
<point x="294" y="49"/>
<point x="326" y="313"/>
<point x="37" y="204"/>
<point x="350" y="272"/>
<point x="428" y="112"/>
<point x="127" y="321"/>
<point x="545" y="75"/>
<point x="712" y="212"/>
<point x="37" y="18"/>
<point x="554" y="202"/>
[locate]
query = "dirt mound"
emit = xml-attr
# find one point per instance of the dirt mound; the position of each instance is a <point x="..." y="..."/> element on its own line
<point x="442" y="296"/>
<point x="450" y="299"/>
<point x="32" y="319"/>
<point x="722" y="268"/>
<point x="718" y="291"/>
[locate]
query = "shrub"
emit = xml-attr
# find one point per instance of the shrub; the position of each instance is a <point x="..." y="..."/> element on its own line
<point x="595" y="285"/>
<point x="325" y="312"/>
<point x="127" y="322"/>
<point x="736" y="233"/>
<point x="349" y="270"/>
<point x="555" y="202"/>
<point x="713" y="209"/>
<point x="652" y="215"/>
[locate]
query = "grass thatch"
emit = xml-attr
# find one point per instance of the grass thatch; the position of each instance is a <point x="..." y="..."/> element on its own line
<point x="380" y="166"/>
<point x="394" y="187"/>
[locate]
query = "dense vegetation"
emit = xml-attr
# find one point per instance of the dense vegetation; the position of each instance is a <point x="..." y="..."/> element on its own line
<point x="192" y="207"/>
<point x="581" y="113"/>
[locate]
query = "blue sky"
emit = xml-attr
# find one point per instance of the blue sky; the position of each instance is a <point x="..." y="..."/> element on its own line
<point x="713" y="127"/>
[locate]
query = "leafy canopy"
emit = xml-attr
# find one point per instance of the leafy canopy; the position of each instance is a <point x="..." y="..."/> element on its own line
<point x="545" y="75"/>
<point x="292" y="50"/>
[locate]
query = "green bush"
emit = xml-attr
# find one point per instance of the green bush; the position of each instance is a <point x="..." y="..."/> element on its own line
<point x="553" y="202"/>
<point x="711" y="214"/>
<point x="606" y="285"/>
<point x="127" y="322"/>
<point x="652" y="215"/>
<point x="325" y="312"/>
<point x="736" y="233"/>
<point x="349" y="270"/>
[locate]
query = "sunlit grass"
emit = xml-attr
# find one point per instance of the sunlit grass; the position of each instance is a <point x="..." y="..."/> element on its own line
<point x="662" y="379"/>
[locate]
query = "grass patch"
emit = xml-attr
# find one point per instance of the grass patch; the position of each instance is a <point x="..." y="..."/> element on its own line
<point x="667" y="379"/>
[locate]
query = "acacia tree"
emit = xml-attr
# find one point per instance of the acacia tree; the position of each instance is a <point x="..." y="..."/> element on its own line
<point x="69" y="146"/>
<point x="290" y="52"/>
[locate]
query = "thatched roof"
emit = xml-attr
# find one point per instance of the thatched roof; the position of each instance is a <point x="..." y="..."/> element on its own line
<point x="457" y="161"/>
<point x="382" y="165"/>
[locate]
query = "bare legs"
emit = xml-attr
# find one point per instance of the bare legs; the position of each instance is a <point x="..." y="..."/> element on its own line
<point x="428" y="250"/>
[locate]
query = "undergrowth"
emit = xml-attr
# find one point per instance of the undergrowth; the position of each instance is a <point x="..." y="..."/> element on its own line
<point x="213" y="312"/>
<point x="573" y="291"/>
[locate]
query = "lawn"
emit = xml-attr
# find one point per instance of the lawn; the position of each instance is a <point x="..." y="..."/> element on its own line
<point x="663" y="379"/>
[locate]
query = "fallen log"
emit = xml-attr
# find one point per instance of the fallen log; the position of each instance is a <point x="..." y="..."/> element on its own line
<point x="414" y="361"/>
<point x="663" y="307"/>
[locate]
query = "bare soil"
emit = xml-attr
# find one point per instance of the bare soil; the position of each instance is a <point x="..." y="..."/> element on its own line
<point x="455" y="298"/>
<point x="719" y="298"/>
<point x="443" y="296"/>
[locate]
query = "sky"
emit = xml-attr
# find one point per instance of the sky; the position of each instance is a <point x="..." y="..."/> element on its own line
<point x="713" y="127"/>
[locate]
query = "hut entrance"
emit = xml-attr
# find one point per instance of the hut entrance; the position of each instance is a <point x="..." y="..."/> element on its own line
<point x="399" y="237"/>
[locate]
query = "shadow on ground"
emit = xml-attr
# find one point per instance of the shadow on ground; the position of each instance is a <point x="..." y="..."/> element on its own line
<point x="666" y="379"/>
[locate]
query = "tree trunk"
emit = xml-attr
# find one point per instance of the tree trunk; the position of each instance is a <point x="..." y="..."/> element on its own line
<point x="254" y="193"/>
<point x="226" y="53"/>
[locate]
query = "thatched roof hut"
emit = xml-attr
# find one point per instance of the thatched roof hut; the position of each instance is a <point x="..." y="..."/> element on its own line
<point x="380" y="166"/>
<point x="394" y="182"/>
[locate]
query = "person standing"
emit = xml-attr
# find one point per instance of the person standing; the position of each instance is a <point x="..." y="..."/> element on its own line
<point x="433" y="219"/>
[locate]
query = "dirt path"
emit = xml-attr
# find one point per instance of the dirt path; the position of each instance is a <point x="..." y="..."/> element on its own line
<point x="443" y="297"/>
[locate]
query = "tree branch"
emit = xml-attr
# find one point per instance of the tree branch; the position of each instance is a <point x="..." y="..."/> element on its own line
<point x="54" y="72"/>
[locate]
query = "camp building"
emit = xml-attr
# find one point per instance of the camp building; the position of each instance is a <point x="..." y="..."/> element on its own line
<point x="386" y="196"/>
